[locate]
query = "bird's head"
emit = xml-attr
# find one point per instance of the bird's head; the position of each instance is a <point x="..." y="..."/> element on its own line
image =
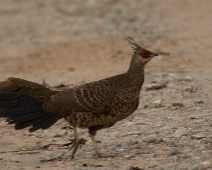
<point x="141" y="55"/>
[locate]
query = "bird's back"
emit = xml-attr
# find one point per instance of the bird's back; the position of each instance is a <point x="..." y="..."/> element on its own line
<point x="100" y="102"/>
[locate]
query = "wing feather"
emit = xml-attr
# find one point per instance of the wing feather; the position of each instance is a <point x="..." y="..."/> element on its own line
<point x="92" y="97"/>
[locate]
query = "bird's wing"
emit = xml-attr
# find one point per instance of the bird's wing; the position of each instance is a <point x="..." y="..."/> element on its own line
<point x="27" y="104"/>
<point x="93" y="97"/>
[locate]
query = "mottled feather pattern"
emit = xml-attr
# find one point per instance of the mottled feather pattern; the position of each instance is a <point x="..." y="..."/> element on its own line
<point x="106" y="101"/>
<point x="96" y="105"/>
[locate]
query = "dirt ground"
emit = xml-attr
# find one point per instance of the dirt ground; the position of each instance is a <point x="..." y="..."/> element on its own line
<point x="74" y="42"/>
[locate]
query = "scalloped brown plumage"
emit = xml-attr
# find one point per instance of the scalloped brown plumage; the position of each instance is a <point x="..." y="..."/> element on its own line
<point x="94" y="105"/>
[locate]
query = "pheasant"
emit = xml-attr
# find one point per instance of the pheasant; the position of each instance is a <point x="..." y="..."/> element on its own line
<point x="96" y="105"/>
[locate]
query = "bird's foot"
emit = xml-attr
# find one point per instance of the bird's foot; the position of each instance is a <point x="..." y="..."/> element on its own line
<point x="73" y="146"/>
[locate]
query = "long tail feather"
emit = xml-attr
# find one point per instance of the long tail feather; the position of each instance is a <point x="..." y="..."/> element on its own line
<point x="22" y="109"/>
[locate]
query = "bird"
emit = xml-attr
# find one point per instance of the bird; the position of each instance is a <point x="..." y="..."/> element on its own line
<point x="94" y="106"/>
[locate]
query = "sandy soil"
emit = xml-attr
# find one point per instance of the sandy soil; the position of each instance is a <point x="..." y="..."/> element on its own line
<point x="74" y="42"/>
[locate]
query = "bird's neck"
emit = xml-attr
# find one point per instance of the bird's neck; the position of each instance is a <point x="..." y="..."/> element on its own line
<point x="136" y="74"/>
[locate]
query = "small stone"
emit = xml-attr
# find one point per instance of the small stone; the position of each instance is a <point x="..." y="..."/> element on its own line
<point x="197" y="136"/>
<point x="178" y="104"/>
<point x="140" y="123"/>
<point x="173" y="152"/>
<point x="184" y="138"/>
<point x="143" y="152"/>
<point x="37" y="166"/>
<point x="128" y="156"/>
<point x="111" y="147"/>
<point x="15" y="159"/>
<point x="169" y="118"/>
<point x="149" y="139"/>
<point x="141" y="146"/>
<point x="174" y="108"/>
<point x="171" y="143"/>
<point x="152" y="165"/>
<point x="145" y="128"/>
<point x="209" y="139"/>
<point x="154" y="131"/>
<point x="159" y="124"/>
<point x="133" y="133"/>
<point x="199" y="121"/>
<point x="205" y="163"/>
<point x="168" y="105"/>
<point x="179" y="132"/>
<point x="134" y="168"/>
<point x="159" y="140"/>
<point x="130" y="123"/>
<point x="159" y="101"/>
<point x="132" y="142"/>
<point x="194" y="167"/>
<point x="187" y="78"/>
<point x="160" y="153"/>
<point x="200" y="102"/>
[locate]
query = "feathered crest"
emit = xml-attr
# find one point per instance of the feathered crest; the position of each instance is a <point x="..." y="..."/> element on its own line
<point x="133" y="44"/>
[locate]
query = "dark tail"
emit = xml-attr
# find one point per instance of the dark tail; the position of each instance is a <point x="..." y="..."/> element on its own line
<point x="21" y="102"/>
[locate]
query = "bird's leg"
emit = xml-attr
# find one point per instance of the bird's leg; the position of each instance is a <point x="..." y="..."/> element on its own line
<point x="76" y="142"/>
<point x="74" y="145"/>
<point x="92" y="133"/>
<point x="95" y="145"/>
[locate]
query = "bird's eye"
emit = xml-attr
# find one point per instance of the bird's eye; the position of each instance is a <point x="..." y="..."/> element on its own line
<point x="145" y="54"/>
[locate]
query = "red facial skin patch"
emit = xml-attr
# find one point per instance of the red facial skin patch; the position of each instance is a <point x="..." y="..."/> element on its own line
<point x="145" y="54"/>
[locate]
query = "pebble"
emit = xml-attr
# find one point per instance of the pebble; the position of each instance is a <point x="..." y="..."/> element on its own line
<point x="206" y="163"/>
<point x="173" y="152"/>
<point x="134" y="168"/>
<point x="200" y="102"/>
<point x="174" y="108"/>
<point x="209" y="139"/>
<point x="132" y="142"/>
<point x="160" y="153"/>
<point x="177" y="104"/>
<point x="132" y="133"/>
<point x="37" y="166"/>
<point x="152" y="165"/>
<point x="149" y="139"/>
<point x="171" y="143"/>
<point x="183" y="138"/>
<point x="194" y="167"/>
<point x="154" y="131"/>
<point x="187" y="78"/>
<point x="113" y="147"/>
<point x="180" y="132"/>
<point x="141" y="145"/>
<point x="159" y="124"/>
<point x="140" y="123"/>
<point x="128" y="156"/>
<point x="145" y="128"/>
<point x="16" y="159"/>
<point x="158" y="101"/>
<point x="197" y="136"/>
<point x="199" y="121"/>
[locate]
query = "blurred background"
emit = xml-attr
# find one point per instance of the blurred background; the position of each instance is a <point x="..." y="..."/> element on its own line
<point x="76" y="41"/>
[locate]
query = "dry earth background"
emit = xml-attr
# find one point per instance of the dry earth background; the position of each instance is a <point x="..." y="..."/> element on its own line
<point x="78" y="41"/>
